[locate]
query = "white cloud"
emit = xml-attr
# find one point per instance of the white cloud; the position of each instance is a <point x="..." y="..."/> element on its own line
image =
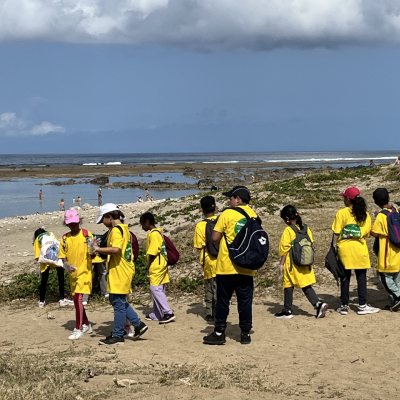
<point x="11" y="125"/>
<point x="45" y="127"/>
<point x="204" y="24"/>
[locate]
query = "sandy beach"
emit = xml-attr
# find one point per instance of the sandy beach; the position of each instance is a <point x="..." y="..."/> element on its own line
<point x="350" y="357"/>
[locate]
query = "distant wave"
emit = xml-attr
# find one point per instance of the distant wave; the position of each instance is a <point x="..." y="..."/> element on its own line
<point x="92" y="163"/>
<point x="329" y="159"/>
<point x="223" y="162"/>
<point x="113" y="163"/>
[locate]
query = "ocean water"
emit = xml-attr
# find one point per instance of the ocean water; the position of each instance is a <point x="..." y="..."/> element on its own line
<point x="20" y="196"/>
<point x="270" y="159"/>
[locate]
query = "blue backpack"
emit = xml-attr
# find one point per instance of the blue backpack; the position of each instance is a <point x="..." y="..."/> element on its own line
<point x="250" y="247"/>
<point x="393" y="221"/>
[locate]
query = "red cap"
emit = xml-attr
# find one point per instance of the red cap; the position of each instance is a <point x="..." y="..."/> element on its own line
<point x="351" y="192"/>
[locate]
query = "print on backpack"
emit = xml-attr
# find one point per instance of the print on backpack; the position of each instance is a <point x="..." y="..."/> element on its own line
<point x="250" y="247"/>
<point x="302" y="251"/>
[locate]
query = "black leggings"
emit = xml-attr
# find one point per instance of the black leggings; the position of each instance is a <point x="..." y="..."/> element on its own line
<point x="361" y="276"/>
<point x="288" y="296"/>
<point x="45" y="278"/>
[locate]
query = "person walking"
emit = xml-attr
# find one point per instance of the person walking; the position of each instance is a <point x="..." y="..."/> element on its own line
<point x="351" y="226"/>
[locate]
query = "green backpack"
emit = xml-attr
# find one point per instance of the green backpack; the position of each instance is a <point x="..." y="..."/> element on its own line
<point x="302" y="251"/>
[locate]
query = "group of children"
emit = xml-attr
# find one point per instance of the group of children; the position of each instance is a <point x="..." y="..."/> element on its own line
<point x="351" y="226"/>
<point x="77" y="250"/>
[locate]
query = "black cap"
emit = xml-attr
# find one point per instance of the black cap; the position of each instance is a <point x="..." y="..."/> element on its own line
<point x="207" y="202"/>
<point x="381" y="196"/>
<point x="240" y="191"/>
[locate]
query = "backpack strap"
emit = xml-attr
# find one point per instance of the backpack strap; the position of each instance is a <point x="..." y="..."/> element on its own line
<point x="120" y="229"/>
<point x="386" y="212"/>
<point x="241" y="211"/>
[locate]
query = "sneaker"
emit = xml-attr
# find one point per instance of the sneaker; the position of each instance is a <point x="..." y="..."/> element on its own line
<point x="343" y="309"/>
<point x="367" y="309"/>
<point x="209" y="318"/>
<point x="65" y="302"/>
<point x="128" y="331"/>
<point x="284" y="314"/>
<point x="87" y="328"/>
<point x="167" y="318"/>
<point x="321" y="310"/>
<point x="213" y="338"/>
<point x="140" y="330"/>
<point x="41" y="304"/>
<point x="396" y="306"/>
<point x="76" y="334"/>
<point x="111" y="340"/>
<point x="148" y="318"/>
<point x="245" y="338"/>
<point x="107" y="295"/>
<point x="84" y="303"/>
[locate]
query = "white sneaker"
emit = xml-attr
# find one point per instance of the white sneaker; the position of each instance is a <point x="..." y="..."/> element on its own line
<point x="128" y="332"/>
<point x="84" y="303"/>
<point x="65" y="302"/>
<point x="87" y="328"/>
<point x="76" y="334"/>
<point x="41" y="304"/>
<point x="107" y="295"/>
<point x="367" y="309"/>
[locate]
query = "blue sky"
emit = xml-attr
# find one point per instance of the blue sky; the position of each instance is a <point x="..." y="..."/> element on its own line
<point x="159" y="75"/>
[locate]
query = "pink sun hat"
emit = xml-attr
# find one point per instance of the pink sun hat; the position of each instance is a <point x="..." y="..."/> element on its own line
<point x="71" y="216"/>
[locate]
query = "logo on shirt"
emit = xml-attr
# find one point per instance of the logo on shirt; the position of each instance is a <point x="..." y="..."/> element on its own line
<point x="239" y="225"/>
<point x="351" y="231"/>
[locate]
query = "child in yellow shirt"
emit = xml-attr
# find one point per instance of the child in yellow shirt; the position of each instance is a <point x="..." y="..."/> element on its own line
<point x="156" y="255"/>
<point x="294" y="275"/>
<point x="74" y="252"/>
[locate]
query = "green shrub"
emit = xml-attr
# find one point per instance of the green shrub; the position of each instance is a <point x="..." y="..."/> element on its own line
<point x="190" y="285"/>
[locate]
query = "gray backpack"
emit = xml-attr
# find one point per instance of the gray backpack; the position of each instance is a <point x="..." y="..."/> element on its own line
<point x="302" y="251"/>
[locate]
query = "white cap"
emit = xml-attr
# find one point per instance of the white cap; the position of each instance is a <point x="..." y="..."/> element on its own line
<point x="106" y="209"/>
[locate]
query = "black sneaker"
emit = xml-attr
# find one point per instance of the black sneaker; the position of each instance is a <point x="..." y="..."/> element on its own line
<point x="209" y="318"/>
<point x="321" y="310"/>
<point x="245" y="338"/>
<point x="110" y="340"/>
<point x="213" y="338"/>
<point x="166" y="318"/>
<point x="284" y="314"/>
<point x="396" y="306"/>
<point x="140" y="329"/>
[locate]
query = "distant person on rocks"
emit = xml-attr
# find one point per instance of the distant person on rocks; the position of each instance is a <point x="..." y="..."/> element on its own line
<point x="253" y="179"/>
<point x="139" y="199"/>
<point x="61" y="205"/>
<point x="78" y="200"/>
<point x="230" y="277"/>
<point x="99" y="197"/>
<point x="208" y="261"/>
<point x="295" y="275"/>
<point x="152" y="198"/>
<point x="372" y="164"/>
<point x="39" y="238"/>
<point x="147" y="195"/>
<point x="156" y="256"/>
<point x="40" y="194"/>
<point x="74" y="252"/>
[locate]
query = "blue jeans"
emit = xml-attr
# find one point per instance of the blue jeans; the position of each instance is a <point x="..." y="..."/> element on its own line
<point x="122" y="310"/>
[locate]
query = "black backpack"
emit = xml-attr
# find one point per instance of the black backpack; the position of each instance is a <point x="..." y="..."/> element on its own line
<point x="211" y="246"/>
<point x="334" y="265"/>
<point x="250" y="247"/>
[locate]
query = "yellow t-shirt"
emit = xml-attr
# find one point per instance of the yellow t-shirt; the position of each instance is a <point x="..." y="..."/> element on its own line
<point x="158" y="269"/>
<point x="37" y="245"/>
<point x="230" y="222"/>
<point x="121" y="267"/>
<point x="299" y="276"/>
<point x="208" y="261"/>
<point x="74" y="249"/>
<point x="392" y="253"/>
<point x="351" y="244"/>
